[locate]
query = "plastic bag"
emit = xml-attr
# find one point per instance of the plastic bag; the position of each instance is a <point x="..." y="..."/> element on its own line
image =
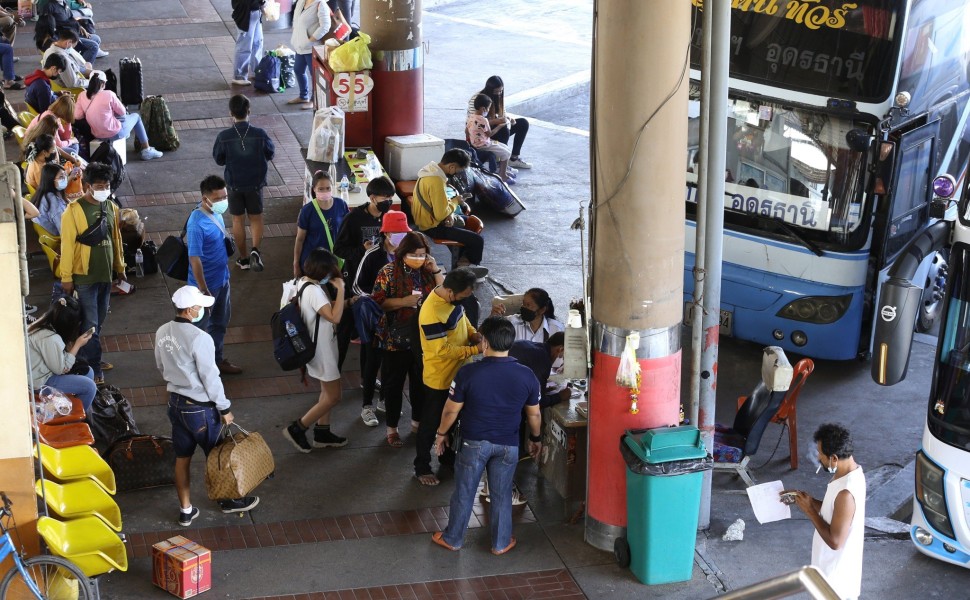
<point x="271" y="11"/>
<point x="626" y="374"/>
<point x="52" y="402"/>
<point x="325" y="141"/>
<point x="290" y="288"/>
<point x="352" y="56"/>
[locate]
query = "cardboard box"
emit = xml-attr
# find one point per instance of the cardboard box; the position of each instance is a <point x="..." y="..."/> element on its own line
<point x="405" y="155"/>
<point x="181" y="567"/>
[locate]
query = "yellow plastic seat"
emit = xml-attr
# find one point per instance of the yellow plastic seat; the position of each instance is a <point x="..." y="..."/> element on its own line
<point x="50" y="244"/>
<point x="57" y="87"/>
<point x="19" y="132"/>
<point x="25" y="117"/>
<point x="87" y="542"/>
<point x="77" y="499"/>
<point x="77" y="462"/>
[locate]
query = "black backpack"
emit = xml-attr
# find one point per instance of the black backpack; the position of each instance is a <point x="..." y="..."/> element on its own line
<point x="108" y="155"/>
<point x="268" y="75"/>
<point x="293" y="346"/>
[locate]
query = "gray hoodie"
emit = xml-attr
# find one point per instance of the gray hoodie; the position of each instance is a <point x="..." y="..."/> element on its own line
<point x="48" y="356"/>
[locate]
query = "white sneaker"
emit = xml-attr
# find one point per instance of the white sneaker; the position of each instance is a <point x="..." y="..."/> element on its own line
<point x="102" y="53"/>
<point x="517" y="498"/>
<point x="150" y="153"/>
<point x="380" y="407"/>
<point x="518" y="163"/>
<point x="368" y="417"/>
<point x="241" y="82"/>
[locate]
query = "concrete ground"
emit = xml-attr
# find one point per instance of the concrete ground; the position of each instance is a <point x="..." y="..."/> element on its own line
<point x="354" y="518"/>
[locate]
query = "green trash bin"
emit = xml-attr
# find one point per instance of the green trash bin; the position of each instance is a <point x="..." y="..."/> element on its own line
<point x="663" y="493"/>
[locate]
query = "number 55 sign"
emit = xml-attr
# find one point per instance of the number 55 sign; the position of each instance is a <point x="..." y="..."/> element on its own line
<point x="351" y="90"/>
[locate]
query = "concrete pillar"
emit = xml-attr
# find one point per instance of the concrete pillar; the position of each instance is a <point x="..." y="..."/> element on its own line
<point x="16" y="462"/>
<point x="397" y="102"/>
<point x="639" y="150"/>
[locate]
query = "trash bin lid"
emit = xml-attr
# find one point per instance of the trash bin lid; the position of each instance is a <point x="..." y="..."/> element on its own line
<point x="665" y="444"/>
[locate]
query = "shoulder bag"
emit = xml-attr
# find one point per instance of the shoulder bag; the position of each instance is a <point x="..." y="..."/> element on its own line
<point x="326" y="227"/>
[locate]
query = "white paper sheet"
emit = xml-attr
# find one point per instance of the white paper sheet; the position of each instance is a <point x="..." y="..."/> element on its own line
<point x="766" y="502"/>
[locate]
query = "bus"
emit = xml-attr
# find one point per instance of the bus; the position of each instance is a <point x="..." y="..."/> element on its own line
<point x="840" y="116"/>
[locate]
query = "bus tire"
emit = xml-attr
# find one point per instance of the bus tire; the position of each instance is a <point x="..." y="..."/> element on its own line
<point x="933" y="290"/>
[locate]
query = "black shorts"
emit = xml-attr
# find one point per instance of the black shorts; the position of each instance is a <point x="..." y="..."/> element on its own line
<point x="247" y="201"/>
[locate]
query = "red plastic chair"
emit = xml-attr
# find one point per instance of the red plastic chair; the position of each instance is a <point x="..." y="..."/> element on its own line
<point x="75" y="416"/>
<point x="65" y="436"/>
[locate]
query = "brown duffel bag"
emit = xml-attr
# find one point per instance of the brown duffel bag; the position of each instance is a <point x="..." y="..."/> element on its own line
<point x="239" y="463"/>
<point x="142" y="461"/>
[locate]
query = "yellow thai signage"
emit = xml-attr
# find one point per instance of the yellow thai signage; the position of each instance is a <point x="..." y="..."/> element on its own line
<point x="813" y="14"/>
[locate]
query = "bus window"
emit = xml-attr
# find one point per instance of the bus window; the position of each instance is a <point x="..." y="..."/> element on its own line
<point x="949" y="410"/>
<point x="910" y="195"/>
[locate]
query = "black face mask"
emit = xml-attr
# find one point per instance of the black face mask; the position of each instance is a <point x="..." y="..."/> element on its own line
<point x="384" y="205"/>
<point x="526" y="314"/>
<point x="52" y="157"/>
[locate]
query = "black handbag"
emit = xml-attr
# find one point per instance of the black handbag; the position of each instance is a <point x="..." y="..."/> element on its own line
<point x="97" y="232"/>
<point x="110" y="418"/>
<point x="173" y="258"/>
<point x="142" y="461"/>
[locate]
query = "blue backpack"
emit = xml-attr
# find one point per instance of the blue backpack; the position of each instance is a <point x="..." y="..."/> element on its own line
<point x="268" y="74"/>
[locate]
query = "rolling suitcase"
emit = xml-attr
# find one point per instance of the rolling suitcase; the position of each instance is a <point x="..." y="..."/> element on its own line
<point x="130" y="81"/>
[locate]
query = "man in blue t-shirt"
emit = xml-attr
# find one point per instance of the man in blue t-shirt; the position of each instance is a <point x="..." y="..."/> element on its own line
<point x="209" y="251"/>
<point x="490" y="395"/>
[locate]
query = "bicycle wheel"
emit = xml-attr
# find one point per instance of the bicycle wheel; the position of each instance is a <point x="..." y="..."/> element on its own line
<point x="56" y="578"/>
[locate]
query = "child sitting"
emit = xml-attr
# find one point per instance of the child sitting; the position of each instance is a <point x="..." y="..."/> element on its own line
<point x="479" y="135"/>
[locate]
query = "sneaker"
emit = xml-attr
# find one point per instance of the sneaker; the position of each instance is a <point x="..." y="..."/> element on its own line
<point x="518" y="163"/>
<point x="255" y="261"/>
<point x="29" y="320"/>
<point x="241" y="82"/>
<point x="30" y="309"/>
<point x="480" y="272"/>
<point x="368" y="417"/>
<point x="379" y="407"/>
<point x="185" y="519"/>
<point x="297" y="436"/>
<point x="239" y="505"/>
<point x="102" y="53"/>
<point x="324" y="438"/>
<point x="150" y="153"/>
<point x="243" y="263"/>
<point x="377" y="385"/>
<point x="517" y="498"/>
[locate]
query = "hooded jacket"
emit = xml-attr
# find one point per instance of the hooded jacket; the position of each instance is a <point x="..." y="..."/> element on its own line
<point x="431" y="186"/>
<point x="38" y="94"/>
<point x="48" y="356"/>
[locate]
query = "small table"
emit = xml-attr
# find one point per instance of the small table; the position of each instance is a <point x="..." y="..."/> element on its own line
<point x="348" y="166"/>
<point x="563" y="458"/>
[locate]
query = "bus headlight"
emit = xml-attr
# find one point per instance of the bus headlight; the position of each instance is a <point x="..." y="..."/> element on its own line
<point x="816" y="309"/>
<point x="923" y="537"/>
<point x="930" y="494"/>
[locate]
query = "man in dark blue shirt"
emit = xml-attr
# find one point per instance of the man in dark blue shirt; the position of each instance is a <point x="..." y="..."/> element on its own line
<point x="539" y="356"/>
<point x="490" y="395"/>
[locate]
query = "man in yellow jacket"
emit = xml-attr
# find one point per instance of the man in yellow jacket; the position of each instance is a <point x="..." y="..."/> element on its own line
<point x="91" y="257"/>
<point x="434" y="204"/>
<point x="448" y="340"/>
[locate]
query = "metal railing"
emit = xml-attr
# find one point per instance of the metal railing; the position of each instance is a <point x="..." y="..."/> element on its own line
<point x="806" y="579"/>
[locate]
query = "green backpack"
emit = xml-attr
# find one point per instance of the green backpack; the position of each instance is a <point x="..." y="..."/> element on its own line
<point x="158" y="124"/>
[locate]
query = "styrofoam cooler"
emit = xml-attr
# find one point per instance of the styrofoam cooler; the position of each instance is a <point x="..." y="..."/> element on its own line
<point x="405" y="155"/>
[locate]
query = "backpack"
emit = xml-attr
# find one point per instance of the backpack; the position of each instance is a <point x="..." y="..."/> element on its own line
<point x="158" y="124"/>
<point x="110" y="81"/>
<point x="293" y="347"/>
<point x="268" y="74"/>
<point x="108" y="155"/>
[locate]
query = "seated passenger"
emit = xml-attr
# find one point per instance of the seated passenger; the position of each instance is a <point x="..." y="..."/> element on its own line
<point x="108" y="118"/>
<point x="53" y="15"/>
<point x="479" y="134"/>
<point x="42" y="151"/>
<point x="39" y="95"/>
<point x="61" y="109"/>
<point x="77" y="71"/>
<point x="536" y="320"/>
<point x="10" y="79"/>
<point x="53" y="342"/>
<point x="50" y="198"/>
<point x="507" y="126"/>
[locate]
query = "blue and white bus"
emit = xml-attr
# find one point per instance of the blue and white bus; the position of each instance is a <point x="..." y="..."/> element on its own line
<point x="841" y="114"/>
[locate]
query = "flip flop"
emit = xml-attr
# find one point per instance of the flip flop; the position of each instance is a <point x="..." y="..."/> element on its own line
<point x="427" y="479"/>
<point x="503" y="550"/>
<point x="297" y="100"/>
<point x="438" y="538"/>
<point x="394" y="440"/>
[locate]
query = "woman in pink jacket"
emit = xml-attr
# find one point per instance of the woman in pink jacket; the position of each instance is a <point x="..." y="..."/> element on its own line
<point x="108" y="118"/>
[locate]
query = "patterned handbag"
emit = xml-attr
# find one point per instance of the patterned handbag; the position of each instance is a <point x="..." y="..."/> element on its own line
<point x="142" y="461"/>
<point x="239" y="463"/>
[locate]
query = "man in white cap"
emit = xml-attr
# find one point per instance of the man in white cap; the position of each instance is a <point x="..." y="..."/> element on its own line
<point x="197" y="406"/>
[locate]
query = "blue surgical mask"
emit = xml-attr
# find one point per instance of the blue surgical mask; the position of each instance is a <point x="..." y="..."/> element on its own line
<point x="325" y="280"/>
<point x="60" y="184"/>
<point x="199" y="316"/>
<point x="220" y="207"/>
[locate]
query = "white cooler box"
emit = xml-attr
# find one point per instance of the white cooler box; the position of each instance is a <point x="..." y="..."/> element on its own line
<point x="405" y="155"/>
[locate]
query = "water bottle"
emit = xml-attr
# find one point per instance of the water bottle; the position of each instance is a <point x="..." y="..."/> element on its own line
<point x="293" y="334"/>
<point x="139" y="263"/>
<point x="344" y="187"/>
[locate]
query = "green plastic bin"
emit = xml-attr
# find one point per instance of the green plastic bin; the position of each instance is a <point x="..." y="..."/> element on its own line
<point x="663" y="493"/>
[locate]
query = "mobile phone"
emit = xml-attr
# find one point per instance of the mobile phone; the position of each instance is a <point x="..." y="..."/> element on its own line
<point x="89" y="331"/>
<point x="788" y="497"/>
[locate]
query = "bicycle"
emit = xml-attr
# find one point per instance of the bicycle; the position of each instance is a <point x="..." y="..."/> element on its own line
<point x="41" y="577"/>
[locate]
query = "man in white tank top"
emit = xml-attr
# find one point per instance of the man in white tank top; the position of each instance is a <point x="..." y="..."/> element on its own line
<point x="839" y="518"/>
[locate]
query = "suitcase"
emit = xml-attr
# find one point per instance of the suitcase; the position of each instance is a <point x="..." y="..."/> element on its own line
<point x="239" y="463"/>
<point x="130" y="81"/>
<point x="142" y="461"/>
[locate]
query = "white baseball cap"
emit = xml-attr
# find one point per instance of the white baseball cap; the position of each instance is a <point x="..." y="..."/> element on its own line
<point x="188" y="296"/>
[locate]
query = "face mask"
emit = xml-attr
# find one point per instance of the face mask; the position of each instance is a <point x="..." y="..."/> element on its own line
<point x="220" y="207"/>
<point x="60" y="184"/>
<point x="383" y="206"/>
<point x="833" y="468"/>
<point x="325" y="280"/>
<point x="526" y="314"/>
<point x="325" y="197"/>
<point x="199" y="316"/>
<point x="414" y="262"/>
<point x="51" y="157"/>
<point x="100" y="195"/>
<point x="396" y="238"/>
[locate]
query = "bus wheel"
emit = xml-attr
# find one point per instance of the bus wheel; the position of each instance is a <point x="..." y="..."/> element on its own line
<point x="933" y="290"/>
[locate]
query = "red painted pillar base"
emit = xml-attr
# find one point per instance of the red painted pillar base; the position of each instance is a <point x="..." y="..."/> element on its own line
<point x="398" y="100"/>
<point x="609" y="417"/>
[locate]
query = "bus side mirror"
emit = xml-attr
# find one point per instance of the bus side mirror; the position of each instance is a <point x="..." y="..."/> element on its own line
<point x="883" y="169"/>
<point x="899" y="302"/>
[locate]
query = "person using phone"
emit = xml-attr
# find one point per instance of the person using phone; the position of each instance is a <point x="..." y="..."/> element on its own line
<point x="53" y="342"/>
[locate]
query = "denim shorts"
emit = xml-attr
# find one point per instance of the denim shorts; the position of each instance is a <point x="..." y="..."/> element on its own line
<point x="193" y="425"/>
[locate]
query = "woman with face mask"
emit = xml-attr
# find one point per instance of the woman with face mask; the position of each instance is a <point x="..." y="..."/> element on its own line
<point x="50" y="198"/>
<point x="319" y="221"/>
<point x="400" y="288"/>
<point x="839" y="518"/>
<point x="536" y="319"/>
<point x="53" y="342"/>
<point x="42" y="151"/>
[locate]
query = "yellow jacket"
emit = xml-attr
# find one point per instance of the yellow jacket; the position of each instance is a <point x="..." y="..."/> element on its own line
<point x="444" y="340"/>
<point x="431" y="186"/>
<point x="75" y="256"/>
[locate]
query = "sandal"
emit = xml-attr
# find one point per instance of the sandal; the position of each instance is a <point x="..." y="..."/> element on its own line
<point x="394" y="440"/>
<point x="438" y="538"/>
<point x="13" y="85"/>
<point x="503" y="550"/>
<point x="427" y="479"/>
<point x="297" y="100"/>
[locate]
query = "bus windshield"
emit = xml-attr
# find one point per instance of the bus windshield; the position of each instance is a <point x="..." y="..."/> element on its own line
<point x="949" y="414"/>
<point x="827" y="47"/>
<point x="788" y="164"/>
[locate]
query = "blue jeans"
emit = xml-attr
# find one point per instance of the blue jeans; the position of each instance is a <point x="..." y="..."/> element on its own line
<point x="94" y="299"/>
<point x="474" y="457"/>
<point x="216" y="318"/>
<point x="88" y="47"/>
<point x="193" y="425"/>
<point x="82" y="386"/>
<point x="131" y="122"/>
<point x="6" y="61"/>
<point x="304" y="62"/>
<point x="249" y="48"/>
